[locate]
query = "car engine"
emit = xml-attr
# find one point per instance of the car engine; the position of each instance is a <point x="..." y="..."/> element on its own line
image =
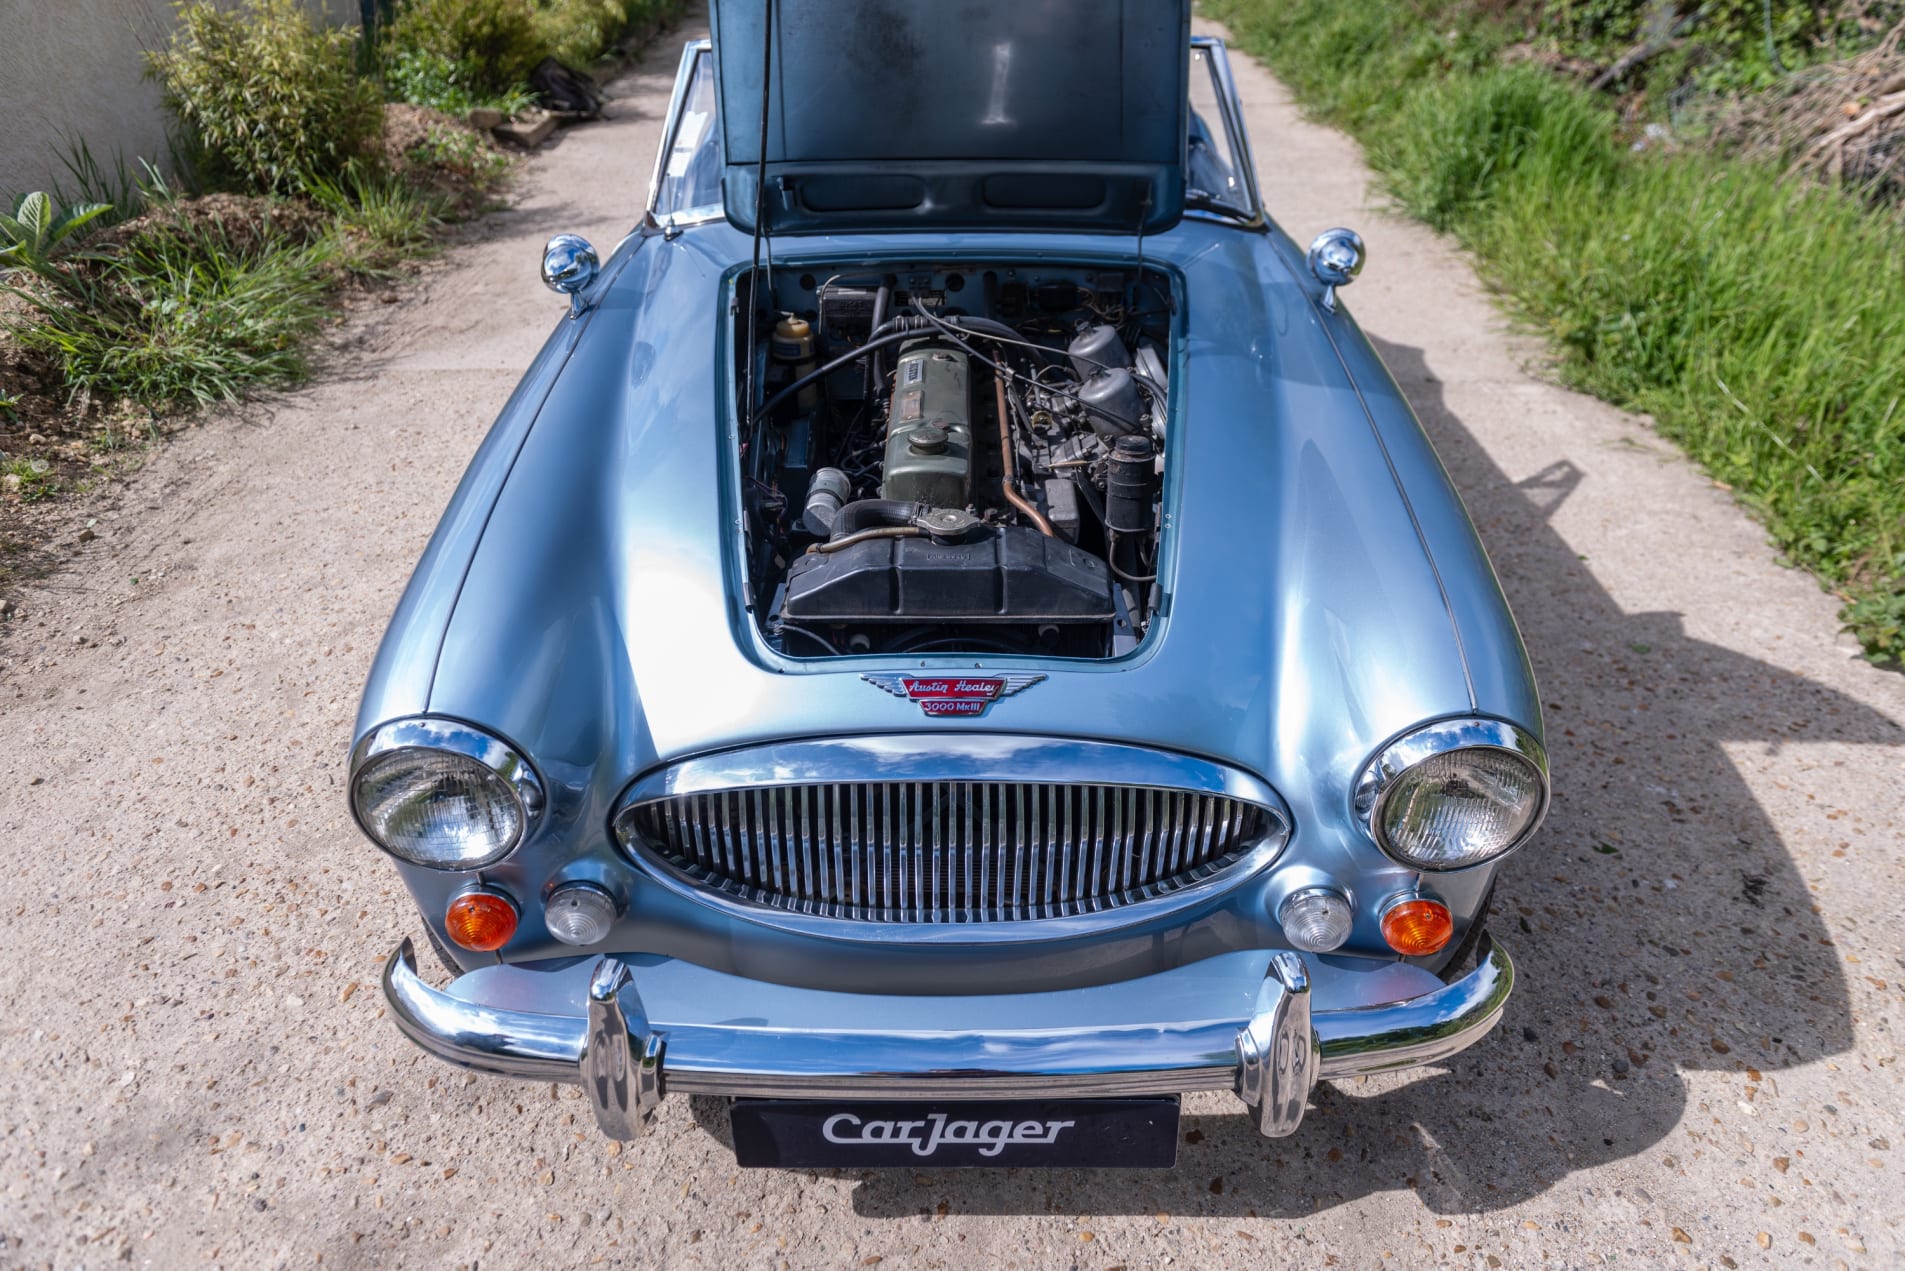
<point x="949" y="460"/>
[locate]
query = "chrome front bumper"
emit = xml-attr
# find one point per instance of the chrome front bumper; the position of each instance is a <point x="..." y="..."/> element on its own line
<point x="1241" y="1022"/>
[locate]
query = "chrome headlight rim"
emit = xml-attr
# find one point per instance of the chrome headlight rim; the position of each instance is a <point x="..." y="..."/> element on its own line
<point x="1391" y="761"/>
<point x="434" y="733"/>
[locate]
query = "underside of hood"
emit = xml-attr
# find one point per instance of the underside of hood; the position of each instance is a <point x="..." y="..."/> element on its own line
<point x="969" y="114"/>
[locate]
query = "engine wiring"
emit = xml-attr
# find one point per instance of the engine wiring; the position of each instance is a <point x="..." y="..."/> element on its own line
<point x="1055" y="433"/>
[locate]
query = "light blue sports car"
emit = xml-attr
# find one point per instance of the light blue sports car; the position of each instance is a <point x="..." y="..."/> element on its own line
<point x="957" y="639"/>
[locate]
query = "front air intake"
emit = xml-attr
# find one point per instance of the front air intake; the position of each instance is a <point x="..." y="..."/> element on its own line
<point x="946" y="851"/>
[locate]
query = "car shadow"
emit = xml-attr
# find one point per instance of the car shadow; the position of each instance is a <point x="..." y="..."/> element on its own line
<point x="1658" y="924"/>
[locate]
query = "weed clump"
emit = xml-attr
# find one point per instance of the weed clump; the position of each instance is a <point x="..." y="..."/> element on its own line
<point x="192" y="306"/>
<point x="378" y="220"/>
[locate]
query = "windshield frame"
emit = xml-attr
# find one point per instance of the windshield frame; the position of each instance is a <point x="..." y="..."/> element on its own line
<point x="1217" y="59"/>
<point x="697" y="58"/>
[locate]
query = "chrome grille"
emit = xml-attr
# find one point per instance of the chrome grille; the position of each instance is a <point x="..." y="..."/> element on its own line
<point x="946" y="851"/>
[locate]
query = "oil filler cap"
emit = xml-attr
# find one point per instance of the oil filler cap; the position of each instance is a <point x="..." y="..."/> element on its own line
<point x="929" y="440"/>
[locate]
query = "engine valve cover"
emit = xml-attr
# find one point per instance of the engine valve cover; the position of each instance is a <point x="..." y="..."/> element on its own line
<point x="929" y="433"/>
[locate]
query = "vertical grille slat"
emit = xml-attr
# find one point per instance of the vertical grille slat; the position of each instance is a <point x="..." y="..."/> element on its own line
<point x="921" y="852"/>
<point x="1021" y="893"/>
<point x="949" y="851"/>
<point x="1153" y="800"/>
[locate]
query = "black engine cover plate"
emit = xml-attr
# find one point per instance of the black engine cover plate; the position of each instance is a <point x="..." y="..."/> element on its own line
<point x="1011" y="574"/>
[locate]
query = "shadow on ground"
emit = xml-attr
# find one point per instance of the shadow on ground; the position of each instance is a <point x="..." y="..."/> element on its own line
<point x="1658" y="923"/>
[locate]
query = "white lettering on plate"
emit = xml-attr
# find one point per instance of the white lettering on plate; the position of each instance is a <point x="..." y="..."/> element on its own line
<point x="928" y="1136"/>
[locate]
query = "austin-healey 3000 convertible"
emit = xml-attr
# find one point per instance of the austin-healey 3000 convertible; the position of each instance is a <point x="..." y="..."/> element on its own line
<point x="957" y="639"/>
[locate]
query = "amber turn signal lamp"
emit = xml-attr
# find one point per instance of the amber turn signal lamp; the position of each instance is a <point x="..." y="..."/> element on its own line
<point x="481" y="920"/>
<point x="1417" y="928"/>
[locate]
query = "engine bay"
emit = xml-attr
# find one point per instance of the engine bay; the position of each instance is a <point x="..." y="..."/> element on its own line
<point x="953" y="459"/>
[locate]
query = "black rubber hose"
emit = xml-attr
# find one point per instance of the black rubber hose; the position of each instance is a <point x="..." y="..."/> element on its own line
<point x="881" y="299"/>
<point x="768" y="406"/>
<point x="863" y="514"/>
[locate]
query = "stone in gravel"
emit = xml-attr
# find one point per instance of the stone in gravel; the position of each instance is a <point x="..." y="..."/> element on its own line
<point x="528" y="132"/>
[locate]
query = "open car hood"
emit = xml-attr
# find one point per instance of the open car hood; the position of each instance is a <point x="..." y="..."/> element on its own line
<point x="956" y="114"/>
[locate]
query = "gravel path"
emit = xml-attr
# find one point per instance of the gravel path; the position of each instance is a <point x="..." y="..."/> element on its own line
<point x="1701" y="1067"/>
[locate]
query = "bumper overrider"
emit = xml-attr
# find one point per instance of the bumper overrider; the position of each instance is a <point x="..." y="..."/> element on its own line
<point x="1238" y="1023"/>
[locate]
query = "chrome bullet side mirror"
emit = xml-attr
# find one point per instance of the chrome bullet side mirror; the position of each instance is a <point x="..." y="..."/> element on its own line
<point x="1336" y="257"/>
<point x="569" y="265"/>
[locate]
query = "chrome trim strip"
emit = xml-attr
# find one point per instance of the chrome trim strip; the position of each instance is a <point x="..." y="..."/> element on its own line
<point x="907" y="770"/>
<point x="1123" y="1058"/>
<point x="949" y="757"/>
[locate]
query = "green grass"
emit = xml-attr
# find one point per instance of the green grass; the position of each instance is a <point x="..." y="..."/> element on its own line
<point x="1760" y="322"/>
<point x="182" y="314"/>
<point x="377" y="221"/>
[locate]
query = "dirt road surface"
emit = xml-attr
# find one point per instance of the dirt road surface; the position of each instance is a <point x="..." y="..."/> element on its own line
<point x="1701" y="1067"/>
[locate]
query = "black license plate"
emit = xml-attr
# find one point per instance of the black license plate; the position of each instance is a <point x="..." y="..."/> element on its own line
<point x="1054" y="1133"/>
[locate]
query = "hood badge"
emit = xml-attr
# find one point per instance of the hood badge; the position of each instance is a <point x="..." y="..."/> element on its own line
<point x="964" y="696"/>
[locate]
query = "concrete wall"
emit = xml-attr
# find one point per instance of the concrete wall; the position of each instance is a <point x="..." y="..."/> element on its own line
<point x="72" y="69"/>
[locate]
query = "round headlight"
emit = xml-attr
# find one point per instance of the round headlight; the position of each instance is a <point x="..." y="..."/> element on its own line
<point x="1454" y="794"/>
<point x="442" y="794"/>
